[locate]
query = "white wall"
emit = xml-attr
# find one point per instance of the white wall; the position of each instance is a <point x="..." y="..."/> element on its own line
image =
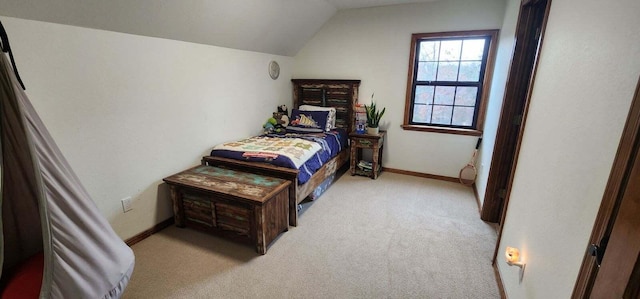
<point x="373" y="45"/>
<point x="494" y="106"/>
<point x="589" y="67"/>
<point x="128" y="110"/>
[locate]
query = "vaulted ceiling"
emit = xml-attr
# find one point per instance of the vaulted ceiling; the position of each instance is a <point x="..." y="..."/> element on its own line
<point x="280" y="27"/>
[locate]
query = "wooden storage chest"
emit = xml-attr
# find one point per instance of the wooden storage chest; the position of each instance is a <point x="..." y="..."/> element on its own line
<point x="241" y="206"/>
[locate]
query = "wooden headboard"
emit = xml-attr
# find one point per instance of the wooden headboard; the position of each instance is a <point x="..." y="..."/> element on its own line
<point x="340" y="94"/>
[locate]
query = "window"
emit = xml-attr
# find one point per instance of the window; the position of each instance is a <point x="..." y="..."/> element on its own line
<point x="448" y="81"/>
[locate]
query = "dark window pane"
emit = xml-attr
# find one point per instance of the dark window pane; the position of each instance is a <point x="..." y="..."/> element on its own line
<point x="447" y="71"/>
<point x="462" y="116"/>
<point x="441" y="115"/>
<point x="422" y="113"/>
<point x="472" y="49"/>
<point x="444" y="95"/>
<point x="450" y="50"/>
<point x="470" y="71"/>
<point x="424" y="95"/>
<point x="429" y="51"/>
<point x="427" y="71"/>
<point x="466" y="96"/>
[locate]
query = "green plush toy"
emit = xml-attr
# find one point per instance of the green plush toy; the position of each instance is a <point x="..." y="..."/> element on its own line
<point x="269" y="126"/>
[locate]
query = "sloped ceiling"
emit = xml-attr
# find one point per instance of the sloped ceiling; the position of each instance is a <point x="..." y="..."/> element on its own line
<point x="347" y="4"/>
<point x="280" y="27"/>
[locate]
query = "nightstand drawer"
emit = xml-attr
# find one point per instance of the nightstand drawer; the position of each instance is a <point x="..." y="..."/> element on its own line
<point x="364" y="143"/>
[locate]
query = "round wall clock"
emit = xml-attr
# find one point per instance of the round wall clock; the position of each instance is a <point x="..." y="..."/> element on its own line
<point x="274" y="69"/>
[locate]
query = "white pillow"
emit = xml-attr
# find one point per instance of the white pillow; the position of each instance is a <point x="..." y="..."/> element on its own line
<point x="331" y="117"/>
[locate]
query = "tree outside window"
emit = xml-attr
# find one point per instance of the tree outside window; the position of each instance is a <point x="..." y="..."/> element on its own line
<point x="447" y="82"/>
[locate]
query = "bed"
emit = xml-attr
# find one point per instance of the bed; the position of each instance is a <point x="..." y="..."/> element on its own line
<point x="339" y="94"/>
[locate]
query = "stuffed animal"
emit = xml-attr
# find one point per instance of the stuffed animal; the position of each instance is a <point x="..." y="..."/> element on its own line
<point x="282" y="119"/>
<point x="279" y="122"/>
<point x="283" y="116"/>
<point x="269" y="126"/>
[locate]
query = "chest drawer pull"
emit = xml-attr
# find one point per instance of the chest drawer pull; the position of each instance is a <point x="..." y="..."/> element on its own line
<point x="364" y="142"/>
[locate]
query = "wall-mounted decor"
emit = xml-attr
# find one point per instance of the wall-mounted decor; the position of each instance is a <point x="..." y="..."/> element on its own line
<point x="274" y="69"/>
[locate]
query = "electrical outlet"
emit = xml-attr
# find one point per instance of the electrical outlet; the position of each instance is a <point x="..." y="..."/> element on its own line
<point x="126" y="204"/>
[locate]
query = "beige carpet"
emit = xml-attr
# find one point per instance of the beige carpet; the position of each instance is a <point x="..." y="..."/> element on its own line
<point x="395" y="237"/>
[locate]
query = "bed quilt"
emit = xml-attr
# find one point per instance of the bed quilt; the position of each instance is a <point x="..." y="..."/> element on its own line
<point x="293" y="151"/>
<point x="305" y="152"/>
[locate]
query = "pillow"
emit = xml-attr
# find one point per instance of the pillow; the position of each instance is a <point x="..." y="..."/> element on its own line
<point x="307" y="121"/>
<point x="331" y="118"/>
<point x="27" y="279"/>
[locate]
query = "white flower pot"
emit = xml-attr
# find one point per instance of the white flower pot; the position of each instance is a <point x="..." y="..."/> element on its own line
<point x="372" y="131"/>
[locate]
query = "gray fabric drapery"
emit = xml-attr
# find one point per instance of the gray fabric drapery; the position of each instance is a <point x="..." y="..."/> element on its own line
<point x="46" y="208"/>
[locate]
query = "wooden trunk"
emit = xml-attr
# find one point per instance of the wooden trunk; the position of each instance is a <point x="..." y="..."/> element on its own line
<point x="297" y="193"/>
<point x="244" y="207"/>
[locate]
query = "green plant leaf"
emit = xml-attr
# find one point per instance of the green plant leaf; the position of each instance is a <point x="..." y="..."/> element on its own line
<point x="373" y="115"/>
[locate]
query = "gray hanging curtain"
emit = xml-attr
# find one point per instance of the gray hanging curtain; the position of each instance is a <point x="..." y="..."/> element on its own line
<point x="46" y="209"/>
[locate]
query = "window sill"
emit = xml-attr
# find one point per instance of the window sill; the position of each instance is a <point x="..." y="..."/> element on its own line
<point x="469" y="132"/>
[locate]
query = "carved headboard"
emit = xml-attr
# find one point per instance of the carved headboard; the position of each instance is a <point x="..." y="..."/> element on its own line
<point x="340" y="94"/>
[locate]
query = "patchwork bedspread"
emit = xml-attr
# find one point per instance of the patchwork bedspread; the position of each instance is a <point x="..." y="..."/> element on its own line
<point x="305" y="152"/>
<point x="264" y="148"/>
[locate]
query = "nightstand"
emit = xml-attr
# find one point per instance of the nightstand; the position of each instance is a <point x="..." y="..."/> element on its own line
<point x="365" y="141"/>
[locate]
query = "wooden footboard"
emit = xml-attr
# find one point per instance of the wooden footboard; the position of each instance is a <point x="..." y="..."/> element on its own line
<point x="297" y="193"/>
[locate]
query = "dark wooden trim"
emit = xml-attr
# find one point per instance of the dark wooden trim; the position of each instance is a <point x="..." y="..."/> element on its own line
<point x="488" y="76"/>
<point x="485" y="84"/>
<point x="147" y="233"/>
<point x="633" y="291"/>
<point x="455" y="34"/>
<point x="410" y="72"/>
<point x="516" y="102"/>
<point x="272" y="170"/>
<point x="324" y="81"/>
<point x="612" y="195"/>
<point x="505" y="204"/>
<point x="446" y="130"/>
<point x="503" y="295"/>
<point x="422" y="175"/>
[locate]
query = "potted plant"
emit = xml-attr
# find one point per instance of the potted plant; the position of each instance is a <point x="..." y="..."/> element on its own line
<point x="373" y="117"/>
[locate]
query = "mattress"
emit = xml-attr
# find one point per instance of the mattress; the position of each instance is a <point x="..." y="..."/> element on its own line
<point x="305" y="152"/>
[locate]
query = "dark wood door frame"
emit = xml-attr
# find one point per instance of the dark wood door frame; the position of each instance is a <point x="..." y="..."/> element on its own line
<point x="530" y="28"/>
<point x="612" y="198"/>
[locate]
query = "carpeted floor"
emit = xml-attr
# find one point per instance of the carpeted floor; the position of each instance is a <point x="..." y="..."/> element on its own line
<point x="395" y="237"/>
